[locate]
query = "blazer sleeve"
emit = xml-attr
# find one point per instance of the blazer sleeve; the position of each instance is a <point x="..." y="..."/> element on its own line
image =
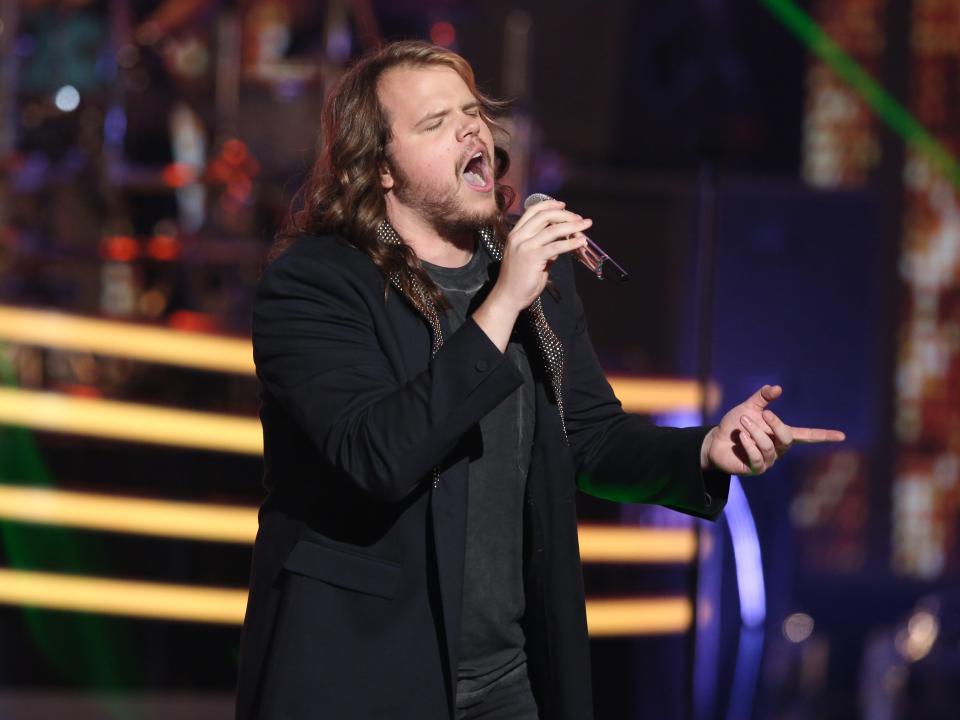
<point x="623" y="456"/>
<point x="317" y="354"/>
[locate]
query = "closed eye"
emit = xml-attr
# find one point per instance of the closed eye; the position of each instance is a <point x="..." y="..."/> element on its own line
<point x="472" y="110"/>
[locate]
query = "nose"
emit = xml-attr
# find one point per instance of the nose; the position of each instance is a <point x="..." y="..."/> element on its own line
<point x="469" y="126"/>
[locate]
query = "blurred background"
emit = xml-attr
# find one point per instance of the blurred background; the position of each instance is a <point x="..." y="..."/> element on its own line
<point x="778" y="177"/>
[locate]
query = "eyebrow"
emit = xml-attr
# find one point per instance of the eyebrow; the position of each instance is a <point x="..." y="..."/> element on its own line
<point x="440" y="113"/>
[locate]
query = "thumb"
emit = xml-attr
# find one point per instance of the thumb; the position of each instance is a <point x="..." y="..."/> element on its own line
<point x="765" y="395"/>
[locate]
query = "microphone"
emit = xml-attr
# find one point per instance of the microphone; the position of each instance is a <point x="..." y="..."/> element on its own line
<point x="592" y="256"/>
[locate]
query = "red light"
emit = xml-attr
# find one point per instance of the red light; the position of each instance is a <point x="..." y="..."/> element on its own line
<point x="77" y="390"/>
<point x="218" y="171"/>
<point x="239" y="189"/>
<point x="177" y="175"/>
<point x="443" y="33"/>
<point x="234" y="152"/>
<point x="163" y="247"/>
<point x="121" y="248"/>
<point x="190" y="321"/>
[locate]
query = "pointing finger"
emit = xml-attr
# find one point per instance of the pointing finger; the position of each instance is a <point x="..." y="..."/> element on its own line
<point x="817" y="435"/>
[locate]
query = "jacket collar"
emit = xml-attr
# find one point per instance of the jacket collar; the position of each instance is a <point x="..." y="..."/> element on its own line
<point x="548" y="344"/>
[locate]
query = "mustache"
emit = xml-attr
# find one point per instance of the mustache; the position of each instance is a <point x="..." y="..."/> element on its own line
<point x="465" y="157"/>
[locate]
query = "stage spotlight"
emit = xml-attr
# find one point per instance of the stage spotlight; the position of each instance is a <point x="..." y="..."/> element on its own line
<point x="798" y="627"/>
<point x="915" y="641"/>
<point x="67" y="99"/>
<point x="443" y="33"/>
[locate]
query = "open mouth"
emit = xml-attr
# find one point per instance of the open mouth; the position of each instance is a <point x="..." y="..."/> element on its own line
<point x="476" y="173"/>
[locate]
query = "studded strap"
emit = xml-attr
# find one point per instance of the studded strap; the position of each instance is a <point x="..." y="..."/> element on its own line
<point x="551" y="349"/>
<point x="420" y="300"/>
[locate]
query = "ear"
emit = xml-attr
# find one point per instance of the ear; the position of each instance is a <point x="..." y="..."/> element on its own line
<point x="386" y="177"/>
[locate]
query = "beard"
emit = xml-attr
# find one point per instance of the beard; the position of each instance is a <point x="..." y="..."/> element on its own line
<point x="442" y="209"/>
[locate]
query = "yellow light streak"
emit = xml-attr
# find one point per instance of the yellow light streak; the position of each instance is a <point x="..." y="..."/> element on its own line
<point x="128" y="340"/>
<point x="625" y="544"/>
<point x="225" y="606"/>
<point x="659" y="395"/>
<point x="229" y="433"/>
<point x="161" y="601"/>
<point x="211" y="352"/>
<point x="129" y="421"/>
<point x="638" y="616"/>
<point x="164" y="518"/>
<point x="237" y="524"/>
<point x="234" y="355"/>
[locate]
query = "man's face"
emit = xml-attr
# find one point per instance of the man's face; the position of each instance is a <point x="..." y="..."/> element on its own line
<point x="440" y="155"/>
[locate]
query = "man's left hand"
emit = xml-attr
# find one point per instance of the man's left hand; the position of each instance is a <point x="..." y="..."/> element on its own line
<point x="750" y="438"/>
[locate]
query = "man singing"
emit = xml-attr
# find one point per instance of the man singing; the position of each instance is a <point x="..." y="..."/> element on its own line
<point x="431" y="401"/>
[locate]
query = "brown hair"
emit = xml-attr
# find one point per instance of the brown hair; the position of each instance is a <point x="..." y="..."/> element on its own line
<point x="343" y="194"/>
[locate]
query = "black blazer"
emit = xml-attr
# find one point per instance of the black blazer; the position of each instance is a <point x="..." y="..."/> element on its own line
<point x="354" y="603"/>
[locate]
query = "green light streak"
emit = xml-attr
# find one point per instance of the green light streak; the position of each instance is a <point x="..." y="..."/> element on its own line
<point x="83" y="649"/>
<point x="895" y="115"/>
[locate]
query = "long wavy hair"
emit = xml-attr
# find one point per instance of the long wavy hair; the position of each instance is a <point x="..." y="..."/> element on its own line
<point x="343" y="195"/>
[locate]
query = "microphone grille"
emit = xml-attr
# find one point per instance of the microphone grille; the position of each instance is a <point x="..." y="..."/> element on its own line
<point x="534" y="198"/>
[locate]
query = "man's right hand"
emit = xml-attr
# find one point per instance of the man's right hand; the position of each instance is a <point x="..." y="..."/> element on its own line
<point x="543" y="233"/>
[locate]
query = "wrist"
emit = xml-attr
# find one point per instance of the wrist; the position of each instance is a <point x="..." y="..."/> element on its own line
<point x="705" y="463"/>
<point x="496" y="318"/>
<point x="500" y="306"/>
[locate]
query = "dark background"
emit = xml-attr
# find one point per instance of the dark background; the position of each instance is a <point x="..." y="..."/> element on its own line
<point x="641" y="112"/>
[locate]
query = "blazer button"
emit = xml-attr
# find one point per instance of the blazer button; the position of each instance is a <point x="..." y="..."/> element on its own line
<point x="481" y="366"/>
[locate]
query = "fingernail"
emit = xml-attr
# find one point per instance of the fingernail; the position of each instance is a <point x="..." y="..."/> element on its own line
<point x="745" y="420"/>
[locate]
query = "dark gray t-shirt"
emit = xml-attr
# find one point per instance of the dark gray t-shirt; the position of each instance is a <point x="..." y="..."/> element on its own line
<point x="491" y="639"/>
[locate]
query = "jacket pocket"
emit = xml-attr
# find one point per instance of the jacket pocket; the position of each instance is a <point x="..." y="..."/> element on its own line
<point x="369" y="575"/>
